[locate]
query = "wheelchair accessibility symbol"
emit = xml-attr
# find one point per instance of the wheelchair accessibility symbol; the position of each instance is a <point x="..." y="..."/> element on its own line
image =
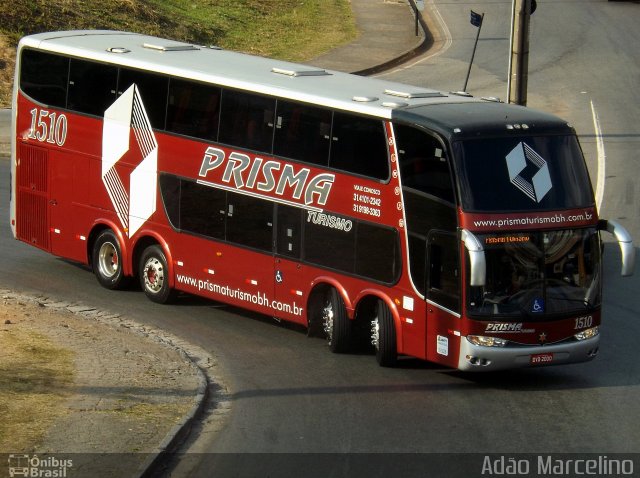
<point x="538" y="306"/>
<point x="278" y="277"/>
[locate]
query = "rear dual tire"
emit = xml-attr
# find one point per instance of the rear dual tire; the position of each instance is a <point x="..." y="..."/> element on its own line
<point x="153" y="268"/>
<point x="335" y="322"/>
<point x="383" y="336"/>
<point x="154" y="275"/>
<point x="106" y="260"/>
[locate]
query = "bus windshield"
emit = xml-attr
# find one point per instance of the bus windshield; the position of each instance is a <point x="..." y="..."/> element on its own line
<point x="522" y="173"/>
<point x="536" y="274"/>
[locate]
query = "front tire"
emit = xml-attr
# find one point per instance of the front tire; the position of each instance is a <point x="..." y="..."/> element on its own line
<point x="154" y="275"/>
<point x="383" y="336"/>
<point x="106" y="260"/>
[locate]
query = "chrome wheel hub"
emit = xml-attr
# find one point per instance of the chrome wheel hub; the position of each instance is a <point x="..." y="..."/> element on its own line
<point x="375" y="333"/>
<point x="108" y="262"/>
<point x="153" y="275"/>
<point x="327" y="321"/>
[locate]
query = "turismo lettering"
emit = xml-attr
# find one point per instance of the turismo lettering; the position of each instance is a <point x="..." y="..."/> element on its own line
<point x="254" y="173"/>
<point x="327" y="220"/>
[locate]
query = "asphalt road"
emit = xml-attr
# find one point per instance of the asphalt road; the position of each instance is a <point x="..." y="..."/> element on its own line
<point x="289" y="395"/>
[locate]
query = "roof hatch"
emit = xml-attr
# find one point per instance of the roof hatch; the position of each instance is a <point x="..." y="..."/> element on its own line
<point x="300" y="72"/>
<point x="414" y="94"/>
<point x="171" y="46"/>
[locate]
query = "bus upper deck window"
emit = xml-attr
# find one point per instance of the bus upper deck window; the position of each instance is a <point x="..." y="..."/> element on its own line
<point x="44" y="77"/>
<point x="92" y="86"/>
<point x="423" y="163"/>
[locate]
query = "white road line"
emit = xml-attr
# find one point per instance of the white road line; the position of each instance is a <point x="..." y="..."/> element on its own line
<point x="446" y="33"/>
<point x="602" y="158"/>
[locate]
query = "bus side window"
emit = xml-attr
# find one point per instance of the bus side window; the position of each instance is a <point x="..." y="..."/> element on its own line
<point x="193" y="109"/>
<point x="302" y="133"/>
<point x="377" y="252"/>
<point x="153" y="89"/>
<point x="250" y="221"/>
<point x="444" y="270"/>
<point x="428" y="196"/>
<point x="247" y="120"/>
<point x="92" y="86"/>
<point x="332" y="247"/>
<point x="170" y="187"/>
<point x="202" y="209"/>
<point x="44" y="77"/>
<point x="359" y="145"/>
<point x="289" y="227"/>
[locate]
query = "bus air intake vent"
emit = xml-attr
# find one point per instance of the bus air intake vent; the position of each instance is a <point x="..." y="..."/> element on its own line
<point x="414" y="94"/>
<point x="171" y="47"/>
<point x="295" y="73"/>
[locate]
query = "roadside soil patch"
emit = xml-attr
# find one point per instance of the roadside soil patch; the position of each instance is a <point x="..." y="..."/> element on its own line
<point x="75" y="385"/>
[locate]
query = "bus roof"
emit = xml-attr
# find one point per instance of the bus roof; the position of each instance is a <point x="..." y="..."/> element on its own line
<point x="309" y="84"/>
<point x="236" y="70"/>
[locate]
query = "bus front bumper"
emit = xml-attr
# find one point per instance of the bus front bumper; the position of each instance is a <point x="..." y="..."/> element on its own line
<point x="475" y="358"/>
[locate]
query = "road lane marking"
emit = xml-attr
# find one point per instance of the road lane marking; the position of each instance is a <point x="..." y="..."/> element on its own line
<point x="602" y="157"/>
<point x="446" y="33"/>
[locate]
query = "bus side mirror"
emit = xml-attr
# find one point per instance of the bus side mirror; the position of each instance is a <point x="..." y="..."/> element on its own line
<point x="624" y="241"/>
<point x="477" y="260"/>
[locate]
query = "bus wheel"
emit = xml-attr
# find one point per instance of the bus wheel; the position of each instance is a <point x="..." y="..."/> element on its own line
<point x="383" y="336"/>
<point x="154" y="275"/>
<point x="336" y="324"/>
<point x="107" y="261"/>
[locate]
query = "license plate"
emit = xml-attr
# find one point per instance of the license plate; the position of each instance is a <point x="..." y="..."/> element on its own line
<point x="540" y="359"/>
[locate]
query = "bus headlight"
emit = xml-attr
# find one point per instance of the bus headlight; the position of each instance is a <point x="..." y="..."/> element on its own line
<point x="587" y="333"/>
<point x="486" y="341"/>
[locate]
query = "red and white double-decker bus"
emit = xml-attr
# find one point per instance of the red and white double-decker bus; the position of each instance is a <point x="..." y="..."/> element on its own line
<point x="457" y="230"/>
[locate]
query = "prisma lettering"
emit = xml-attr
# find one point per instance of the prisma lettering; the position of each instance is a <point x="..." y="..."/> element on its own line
<point x="504" y="327"/>
<point x="254" y="173"/>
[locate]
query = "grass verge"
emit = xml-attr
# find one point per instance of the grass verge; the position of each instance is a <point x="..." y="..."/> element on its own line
<point x="35" y="378"/>
<point x="294" y="30"/>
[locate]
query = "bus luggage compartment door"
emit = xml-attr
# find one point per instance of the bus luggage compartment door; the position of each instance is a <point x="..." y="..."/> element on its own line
<point x="32" y="184"/>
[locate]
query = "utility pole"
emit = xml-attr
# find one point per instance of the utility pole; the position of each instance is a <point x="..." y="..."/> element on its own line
<point x="519" y="58"/>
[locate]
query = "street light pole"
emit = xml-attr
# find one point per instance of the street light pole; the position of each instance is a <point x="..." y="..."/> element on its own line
<point x="476" y="20"/>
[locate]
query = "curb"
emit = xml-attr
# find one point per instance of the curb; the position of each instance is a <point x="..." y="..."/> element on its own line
<point x="180" y="432"/>
<point x="199" y="359"/>
<point x="422" y="47"/>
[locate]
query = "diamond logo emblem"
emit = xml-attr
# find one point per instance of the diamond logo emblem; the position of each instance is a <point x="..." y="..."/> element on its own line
<point x="133" y="197"/>
<point x="529" y="172"/>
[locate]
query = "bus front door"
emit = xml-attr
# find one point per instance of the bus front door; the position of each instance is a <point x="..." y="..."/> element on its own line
<point x="443" y="298"/>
